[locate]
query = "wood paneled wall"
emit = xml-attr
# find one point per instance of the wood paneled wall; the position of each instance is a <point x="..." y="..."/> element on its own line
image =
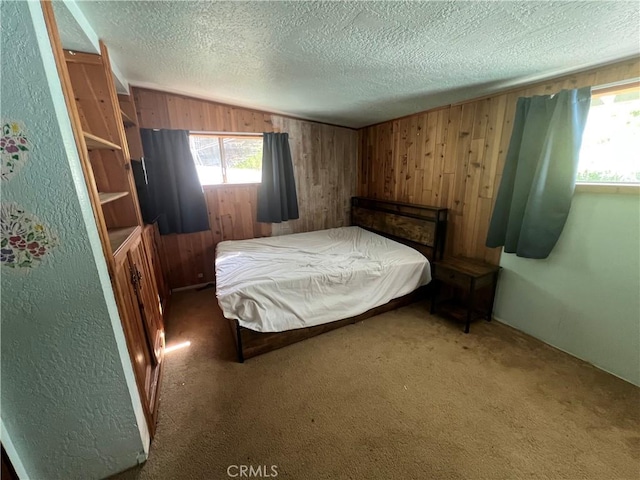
<point x="231" y="217"/>
<point x="453" y="156"/>
<point x="325" y="163"/>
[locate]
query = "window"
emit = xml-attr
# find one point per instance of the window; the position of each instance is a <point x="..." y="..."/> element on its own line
<point x="611" y="141"/>
<point x="227" y="159"/>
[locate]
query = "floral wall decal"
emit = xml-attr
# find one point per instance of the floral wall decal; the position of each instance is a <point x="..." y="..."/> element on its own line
<point x="14" y="148"/>
<point x="25" y="240"/>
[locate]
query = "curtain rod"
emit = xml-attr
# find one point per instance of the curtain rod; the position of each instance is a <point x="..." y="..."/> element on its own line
<point x="621" y="83"/>
<point x="227" y="134"/>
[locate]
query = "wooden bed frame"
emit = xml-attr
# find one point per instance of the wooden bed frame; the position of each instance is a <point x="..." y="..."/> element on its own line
<point x="422" y="228"/>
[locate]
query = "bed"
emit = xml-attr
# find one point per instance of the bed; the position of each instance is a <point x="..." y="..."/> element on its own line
<point x="278" y="290"/>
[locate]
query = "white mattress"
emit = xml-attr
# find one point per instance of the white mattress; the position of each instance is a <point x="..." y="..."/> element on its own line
<point x="293" y="281"/>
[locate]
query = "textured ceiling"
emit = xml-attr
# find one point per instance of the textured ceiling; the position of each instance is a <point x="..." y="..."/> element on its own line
<point x="356" y="63"/>
<point x="72" y="35"/>
<point x="77" y="34"/>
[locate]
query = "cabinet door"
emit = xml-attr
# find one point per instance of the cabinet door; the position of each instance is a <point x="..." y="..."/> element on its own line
<point x="148" y="299"/>
<point x="141" y="356"/>
<point x="151" y="240"/>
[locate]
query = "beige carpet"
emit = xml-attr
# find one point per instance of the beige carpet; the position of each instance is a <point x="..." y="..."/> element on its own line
<point x="399" y="396"/>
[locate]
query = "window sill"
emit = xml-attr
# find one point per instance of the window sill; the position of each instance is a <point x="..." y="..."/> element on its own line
<point x="618" y="188"/>
<point x="226" y="185"/>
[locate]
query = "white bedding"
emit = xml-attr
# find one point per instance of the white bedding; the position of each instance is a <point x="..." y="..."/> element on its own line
<point x="292" y="281"/>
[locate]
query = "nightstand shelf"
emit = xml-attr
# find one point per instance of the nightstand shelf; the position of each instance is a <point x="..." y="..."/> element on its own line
<point x="470" y="276"/>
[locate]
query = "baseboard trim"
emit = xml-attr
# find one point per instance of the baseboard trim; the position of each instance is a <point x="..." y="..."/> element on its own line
<point x="502" y="322"/>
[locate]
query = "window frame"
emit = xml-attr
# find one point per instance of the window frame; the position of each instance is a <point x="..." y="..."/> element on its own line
<point x="611" y="188"/>
<point x="608" y="188"/>
<point x="223" y="164"/>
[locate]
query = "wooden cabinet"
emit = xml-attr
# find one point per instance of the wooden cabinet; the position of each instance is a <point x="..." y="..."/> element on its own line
<point x="148" y="299"/>
<point x="103" y="131"/>
<point x="103" y="124"/>
<point x="141" y="355"/>
<point x="153" y="244"/>
<point x="140" y="315"/>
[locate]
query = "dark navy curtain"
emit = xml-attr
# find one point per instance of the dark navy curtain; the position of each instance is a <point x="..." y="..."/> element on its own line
<point x="142" y="186"/>
<point x="174" y="193"/>
<point x="539" y="175"/>
<point x="277" y="198"/>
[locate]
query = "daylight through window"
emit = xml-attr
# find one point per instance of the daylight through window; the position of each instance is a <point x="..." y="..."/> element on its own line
<point x="227" y="159"/>
<point x="610" y="150"/>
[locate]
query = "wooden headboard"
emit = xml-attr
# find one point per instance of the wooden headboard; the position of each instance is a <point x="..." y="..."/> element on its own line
<point x="420" y="227"/>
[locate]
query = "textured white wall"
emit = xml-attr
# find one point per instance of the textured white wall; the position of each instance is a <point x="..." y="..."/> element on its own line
<point x="69" y="401"/>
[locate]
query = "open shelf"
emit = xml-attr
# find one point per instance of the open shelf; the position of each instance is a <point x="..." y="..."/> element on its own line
<point x="111" y="196"/>
<point x="127" y="120"/>
<point x="119" y="236"/>
<point x="96" y="143"/>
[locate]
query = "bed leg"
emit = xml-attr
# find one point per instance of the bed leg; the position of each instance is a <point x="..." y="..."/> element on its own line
<point x="239" y="343"/>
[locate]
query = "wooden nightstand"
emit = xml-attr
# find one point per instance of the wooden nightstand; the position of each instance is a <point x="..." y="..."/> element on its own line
<point x="468" y="275"/>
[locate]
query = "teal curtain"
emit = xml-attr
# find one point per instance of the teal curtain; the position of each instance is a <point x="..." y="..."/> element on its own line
<point x="539" y="175"/>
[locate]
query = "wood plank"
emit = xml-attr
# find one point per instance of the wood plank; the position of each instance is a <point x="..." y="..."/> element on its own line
<point x="429" y="155"/>
<point x="474" y="175"/>
<point x="497" y="112"/>
<point x="439" y="157"/>
<point x="453" y="129"/>
<point x="126" y="213"/>
<point x="413" y="229"/>
<point x="225" y="117"/>
<point x="83" y="58"/>
<point x="149" y="235"/>
<point x="111" y="196"/>
<point x="463" y="168"/>
<point x="126" y="119"/>
<point x="92" y="95"/>
<point x="94" y="142"/>
<point x="412" y="160"/>
<point x="119" y="237"/>
<point x="469" y="266"/>
<point x="481" y="227"/>
<point x="132" y="132"/>
<point x="463" y="141"/>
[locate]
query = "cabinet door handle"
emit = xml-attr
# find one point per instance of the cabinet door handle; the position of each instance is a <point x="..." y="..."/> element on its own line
<point x="134" y="276"/>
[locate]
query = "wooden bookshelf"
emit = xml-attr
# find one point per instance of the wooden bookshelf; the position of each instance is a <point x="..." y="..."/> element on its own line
<point x="94" y="106"/>
<point x="96" y="143"/>
<point x="119" y="236"/>
<point x="126" y="119"/>
<point x="110" y="196"/>
<point x="130" y="121"/>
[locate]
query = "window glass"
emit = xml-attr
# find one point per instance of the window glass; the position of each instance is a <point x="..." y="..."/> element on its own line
<point x="223" y="159"/>
<point x="610" y="151"/>
<point x="243" y="157"/>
